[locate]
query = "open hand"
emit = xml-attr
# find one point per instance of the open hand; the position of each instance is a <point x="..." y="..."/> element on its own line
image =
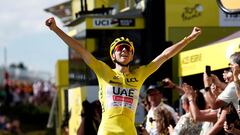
<point x="189" y="91"/>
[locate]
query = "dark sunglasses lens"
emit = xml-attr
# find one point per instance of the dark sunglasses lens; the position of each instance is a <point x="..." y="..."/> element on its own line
<point x="120" y="47"/>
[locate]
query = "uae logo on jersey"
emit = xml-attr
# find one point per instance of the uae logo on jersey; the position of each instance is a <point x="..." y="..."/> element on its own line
<point x="123" y="95"/>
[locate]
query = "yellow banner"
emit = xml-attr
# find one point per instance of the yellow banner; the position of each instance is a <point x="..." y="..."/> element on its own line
<point x="192" y="13"/>
<point x="75" y="98"/>
<point x="61" y="70"/>
<point x="216" y="55"/>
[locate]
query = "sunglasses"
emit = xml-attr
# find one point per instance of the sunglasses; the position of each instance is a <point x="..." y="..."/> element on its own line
<point x="119" y="48"/>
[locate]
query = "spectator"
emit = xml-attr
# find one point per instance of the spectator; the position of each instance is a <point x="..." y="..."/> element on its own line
<point x="229" y="93"/>
<point x="169" y="84"/>
<point x="90" y="118"/>
<point x="186" y="125"/>
<point x="206" y="115"/>
<point x="16" y="127"/>
<point x="154" y="97"/>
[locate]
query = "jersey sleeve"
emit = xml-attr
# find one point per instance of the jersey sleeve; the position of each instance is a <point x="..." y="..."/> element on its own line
<point x="147" y="70"/>
<point x="99" y="68"/>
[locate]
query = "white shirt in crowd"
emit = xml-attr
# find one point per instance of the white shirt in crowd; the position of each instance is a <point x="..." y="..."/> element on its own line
<point x="151" y="126"/>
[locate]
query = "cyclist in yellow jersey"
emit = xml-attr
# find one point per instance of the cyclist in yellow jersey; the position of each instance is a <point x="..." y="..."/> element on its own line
<point x="119" y="88"/>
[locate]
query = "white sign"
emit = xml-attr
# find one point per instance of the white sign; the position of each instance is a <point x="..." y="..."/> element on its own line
<point x="228" y="19"/>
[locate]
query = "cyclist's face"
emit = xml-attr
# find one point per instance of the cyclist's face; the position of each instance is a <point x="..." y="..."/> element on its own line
<point x="123" y="53"/>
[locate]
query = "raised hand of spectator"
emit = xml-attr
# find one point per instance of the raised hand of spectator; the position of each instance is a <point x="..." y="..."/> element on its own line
<point x="236" y="71"/>
<point x="215" y="79"/>
<point x="207" y="80"/>
<point x="189" y="92"/>
<point x="231" y="129"/>
<point x="168" y="83"/>
<point x="143" y="131"/>
<point x="227" y="76"/>
<point x="170" y="129"/>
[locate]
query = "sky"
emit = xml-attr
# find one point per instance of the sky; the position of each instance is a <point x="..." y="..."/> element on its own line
<point x="25" y="37"/>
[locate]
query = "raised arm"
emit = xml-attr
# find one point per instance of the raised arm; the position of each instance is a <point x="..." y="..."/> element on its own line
<point x="236" y="72"/>
<point x="198" y="115"/>
<point x="218" y="126"/>
<point x="174" y="49"/>
<point x="212" y="99"/>
<point x="71" y="42"/>
<point x="169" y="84"/>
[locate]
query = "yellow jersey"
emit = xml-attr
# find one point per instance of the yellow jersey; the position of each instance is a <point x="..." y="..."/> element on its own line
<point x="118" y="94"/>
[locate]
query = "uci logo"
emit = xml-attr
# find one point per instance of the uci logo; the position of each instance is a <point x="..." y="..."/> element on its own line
<point x="102" y="22"/>
<point x="131" y="80"/>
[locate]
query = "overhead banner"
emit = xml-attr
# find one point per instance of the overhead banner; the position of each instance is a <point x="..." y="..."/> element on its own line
<point x="192" y="13"/>
<point x="115" y="23"/>
<point x="216" y="55"/>
<point x="198" y="13"/>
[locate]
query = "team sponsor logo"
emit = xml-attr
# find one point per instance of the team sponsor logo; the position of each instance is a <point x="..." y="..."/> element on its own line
<point x="116" y="77"/>
<point x="131" y="80"/>
<point x="123" y="92"/>
<point x="122" y="97"/>
<point x="114" y="82"/>
<point x="128" y="81"/>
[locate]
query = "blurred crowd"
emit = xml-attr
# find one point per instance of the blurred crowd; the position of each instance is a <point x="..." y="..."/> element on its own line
<point x="18" y="92"/>
<point x="9" y="126"/>
<point x="23" y="93"/>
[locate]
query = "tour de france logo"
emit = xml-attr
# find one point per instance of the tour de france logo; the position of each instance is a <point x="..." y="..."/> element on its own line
<point x="192" y="12"/>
